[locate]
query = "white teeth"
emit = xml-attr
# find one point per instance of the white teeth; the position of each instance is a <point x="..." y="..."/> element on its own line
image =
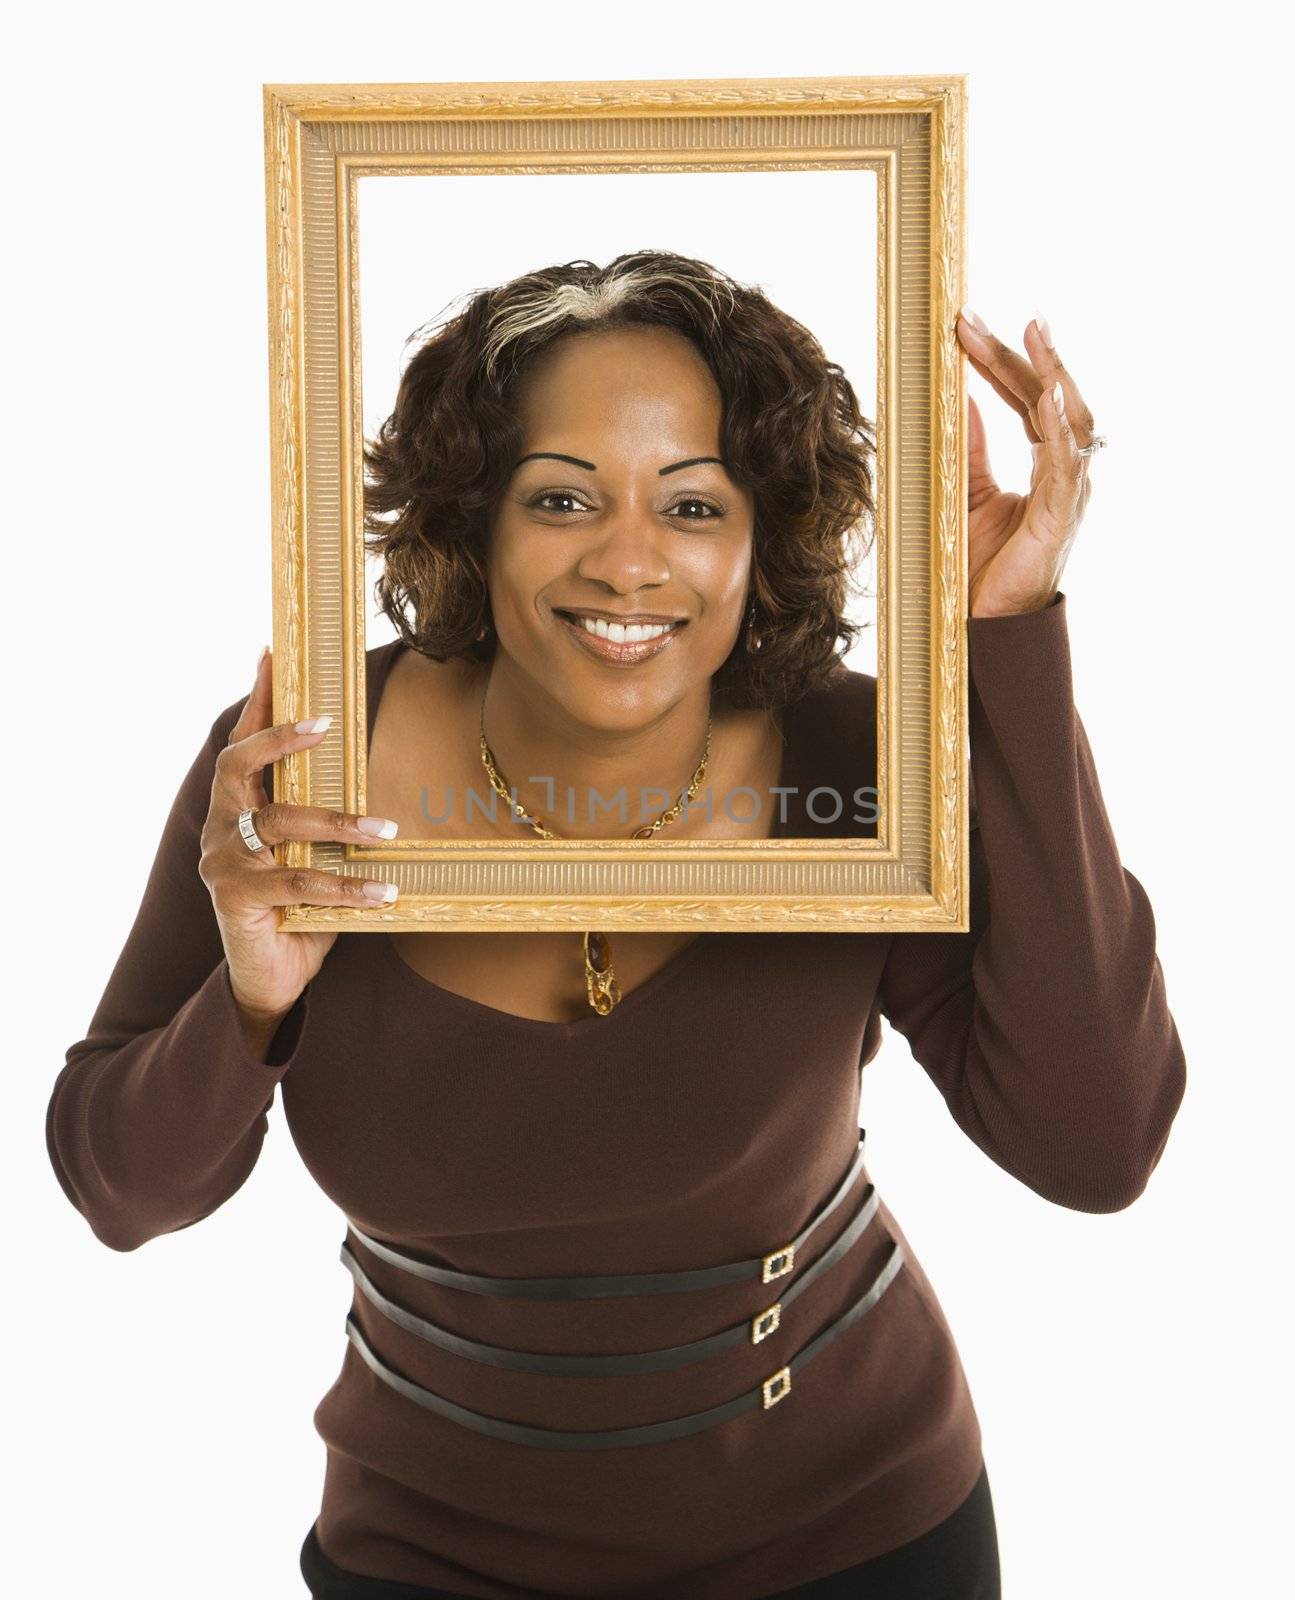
<point x="618" y="633"/>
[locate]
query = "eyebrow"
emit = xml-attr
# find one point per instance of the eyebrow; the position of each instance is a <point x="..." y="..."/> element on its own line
<point x="553" y="455"/>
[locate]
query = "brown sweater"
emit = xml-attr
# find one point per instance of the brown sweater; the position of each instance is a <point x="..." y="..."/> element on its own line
<point x="705" y="1121"/>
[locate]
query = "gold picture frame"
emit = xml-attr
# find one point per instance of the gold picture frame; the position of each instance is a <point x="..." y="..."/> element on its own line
<point x="320" y="139"/>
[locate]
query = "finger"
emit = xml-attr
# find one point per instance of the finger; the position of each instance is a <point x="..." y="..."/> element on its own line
<point x="1004" y="393"/>
<point x="257" y="709"/>
<point x="1011" y="375"/>
<point x="295" y="886"/>
<point x="256" y="713"/>
<point x="278" y="821"/>
<point x="240" y="764"/>
<point x="1042" y="352"/>
<point x="1054" y="503"/>
<point x="980" y="477"/>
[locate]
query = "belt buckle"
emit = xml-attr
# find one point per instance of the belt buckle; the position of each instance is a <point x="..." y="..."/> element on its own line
<point x="766" y="1322"/>
<point x="778" y="1387"/>
<point x="777" y="1263"/>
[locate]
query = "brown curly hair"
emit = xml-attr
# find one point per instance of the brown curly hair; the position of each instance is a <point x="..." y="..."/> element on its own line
<point x="792" y="433"/>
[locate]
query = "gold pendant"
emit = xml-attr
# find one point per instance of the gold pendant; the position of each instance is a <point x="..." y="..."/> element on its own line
<point x="600" y="980"/>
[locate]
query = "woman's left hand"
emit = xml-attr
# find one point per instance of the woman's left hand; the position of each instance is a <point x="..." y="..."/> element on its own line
<point x="1018" y="544"/>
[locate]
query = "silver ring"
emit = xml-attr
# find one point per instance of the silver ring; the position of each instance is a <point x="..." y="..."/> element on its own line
<point x="251" y="838"/>
<point x="1099" y="443"/>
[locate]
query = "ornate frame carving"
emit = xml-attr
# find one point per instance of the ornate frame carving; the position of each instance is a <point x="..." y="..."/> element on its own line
<point x="319" y="139"/>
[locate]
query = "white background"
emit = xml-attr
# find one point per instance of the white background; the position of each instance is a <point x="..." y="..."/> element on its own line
<point x="1130" y="1370"/>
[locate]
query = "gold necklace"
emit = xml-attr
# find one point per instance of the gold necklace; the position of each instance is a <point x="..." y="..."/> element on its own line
<point x="600" y="978"/>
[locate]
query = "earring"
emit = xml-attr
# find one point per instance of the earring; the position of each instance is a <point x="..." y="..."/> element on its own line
<point x="483" y="632"/>
<point x="754" y="639"/>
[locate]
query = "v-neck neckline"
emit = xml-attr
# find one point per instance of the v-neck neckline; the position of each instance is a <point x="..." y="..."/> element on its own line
<point x="541" y="1026"/>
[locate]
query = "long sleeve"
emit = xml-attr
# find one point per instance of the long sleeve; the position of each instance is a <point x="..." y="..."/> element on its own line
<point x="1046" y="1028"/>
<point x="159" y="1114"/>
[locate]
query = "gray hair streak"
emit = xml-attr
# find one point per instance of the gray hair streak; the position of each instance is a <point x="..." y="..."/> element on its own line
<point x="535" y="306"/>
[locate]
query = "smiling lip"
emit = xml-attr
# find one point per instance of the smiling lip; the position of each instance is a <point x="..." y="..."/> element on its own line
<point x="629" y="654"/>
<point x="625" y="617"/>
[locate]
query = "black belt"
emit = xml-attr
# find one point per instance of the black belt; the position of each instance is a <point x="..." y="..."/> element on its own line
<point x="768" y="1267"/>
<point x="774" y="1388"/>
<point x="755" y="1329"/>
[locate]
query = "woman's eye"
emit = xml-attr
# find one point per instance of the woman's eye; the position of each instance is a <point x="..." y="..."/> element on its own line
<point x="551" y="494"/>
<point x="540" y="502"/>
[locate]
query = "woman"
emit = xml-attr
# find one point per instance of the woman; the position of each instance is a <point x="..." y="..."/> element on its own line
<point x="637" y="1160"/>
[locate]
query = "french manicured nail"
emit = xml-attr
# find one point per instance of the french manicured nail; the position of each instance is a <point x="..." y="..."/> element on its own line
<point x="1043" y="330"/>
<point x="968" y="315"/>
<point x="384" y="893"/>
<point x="384" y="827"/>
<point x="260" y="660"/>
<point x="1059" y="399"/>
<point x="312" y="725"/>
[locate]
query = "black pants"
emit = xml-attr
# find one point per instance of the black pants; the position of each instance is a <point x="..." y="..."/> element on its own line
<point x="958" y="1560"/>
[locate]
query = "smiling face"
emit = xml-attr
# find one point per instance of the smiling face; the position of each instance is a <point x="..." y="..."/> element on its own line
<point x="619" y="512"/>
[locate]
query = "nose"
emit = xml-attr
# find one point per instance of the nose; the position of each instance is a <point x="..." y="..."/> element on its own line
<point x="627" y="555"/>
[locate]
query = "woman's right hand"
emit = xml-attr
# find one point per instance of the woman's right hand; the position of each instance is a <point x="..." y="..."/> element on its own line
<point x="267" y="969"/>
